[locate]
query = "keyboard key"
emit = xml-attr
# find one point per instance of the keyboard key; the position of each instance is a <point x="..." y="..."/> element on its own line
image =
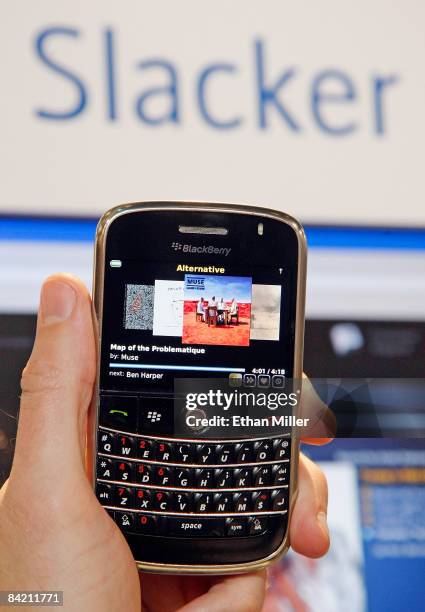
<point x="242" y="477"/>
<point x="118" y="412"/>
<point x="106" y="442"/>
<point x="163" y="452"/>
<point x="162" y="476"/>
<point x="243" y="502"/>
<point x="161" y="501"/>
<point x="280" y="474"/>
<point x="261" y="501"/>
<point x="146" y="449"/>
<point x="244" y="453"/>
<point x="144" y="474"/>
<point x="236" y="526"/>
<point x="205" y="454"/>
<point x="263" y="450"/>
<point x="262" y="476"/>
<point x="182" y="502"/>
<point x="104" y="494"/>
<point x="279" y="500"/>
<point x="194" y="527"/>
<point x="223" y="502"/>
<point x="105" y="469"/>
<point x="282" y="447"/>
<point x="124" y="471"/>
<point x="146" y="523"/>
<point x="124" y="497"/>
<point x="124" y="520"/>
<point x="225" y="453"/>
<point x="156" y="416"/>
<point x="124" y="446"/>
<point x="184" y="453"/>
<point x="257" y="525"/>
<point x="143" y="499"/>
<point x="204" y="479"/>
<point x="183" y="477"/>
<point x="204" y="502"/>
<point x="223" y="479"/>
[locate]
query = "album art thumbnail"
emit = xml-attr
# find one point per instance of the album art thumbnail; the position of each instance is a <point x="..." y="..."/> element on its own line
<point x="138" y="308"/>
<point x="168" y="308"/>
<point x="265" y="318"/>
<point x="217" y="310"/>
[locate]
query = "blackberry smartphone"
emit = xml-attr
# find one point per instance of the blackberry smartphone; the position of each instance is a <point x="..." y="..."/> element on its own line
<point x="192" y="291"/>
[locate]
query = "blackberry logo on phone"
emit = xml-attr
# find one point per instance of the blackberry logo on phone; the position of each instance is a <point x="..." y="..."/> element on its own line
<point x="206" y="249"/>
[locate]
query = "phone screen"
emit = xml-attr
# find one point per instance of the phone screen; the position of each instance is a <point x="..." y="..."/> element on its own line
<point x="195" y="313"/>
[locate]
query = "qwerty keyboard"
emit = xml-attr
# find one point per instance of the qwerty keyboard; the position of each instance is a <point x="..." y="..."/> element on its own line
<point x="199" y="488"/>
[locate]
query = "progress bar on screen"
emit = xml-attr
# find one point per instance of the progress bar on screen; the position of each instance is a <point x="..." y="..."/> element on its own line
<point x="152" y="366"/>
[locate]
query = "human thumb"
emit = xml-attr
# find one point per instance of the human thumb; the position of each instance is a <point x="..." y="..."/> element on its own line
<point x="57" y="387"/>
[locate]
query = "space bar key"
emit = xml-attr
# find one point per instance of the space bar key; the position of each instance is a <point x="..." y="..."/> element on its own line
<point x="194" y="527"/>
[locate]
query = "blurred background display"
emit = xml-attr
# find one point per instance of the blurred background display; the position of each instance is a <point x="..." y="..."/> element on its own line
<point x="365" y="317"/>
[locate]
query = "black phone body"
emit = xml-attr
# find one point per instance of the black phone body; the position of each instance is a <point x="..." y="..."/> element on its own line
<point x="192" y="290"/>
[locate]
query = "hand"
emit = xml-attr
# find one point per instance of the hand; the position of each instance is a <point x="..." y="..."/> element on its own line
<point x="54" y="535"/>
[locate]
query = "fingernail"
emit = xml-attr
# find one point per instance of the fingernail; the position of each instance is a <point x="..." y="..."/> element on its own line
<point x="322" y="519"/>
<point x="57" y="302"/>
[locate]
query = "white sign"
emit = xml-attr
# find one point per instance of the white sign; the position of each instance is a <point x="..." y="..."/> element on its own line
<point x="315" y="108"/>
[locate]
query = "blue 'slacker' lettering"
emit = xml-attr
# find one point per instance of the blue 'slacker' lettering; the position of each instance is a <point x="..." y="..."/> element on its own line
<point x="268" y="95"/>
<point x="169" y="91"/>
<point x="204" y="78"/>
<point x="330" y="96"/>
<point x="111" y="92"/>
<point x="379" y="83"/>
<point x="79" y="106"/>
<point x="320" y="97"/>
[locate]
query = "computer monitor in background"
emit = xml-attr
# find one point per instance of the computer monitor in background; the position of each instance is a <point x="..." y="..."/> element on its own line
<point x="365" y="318"/>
